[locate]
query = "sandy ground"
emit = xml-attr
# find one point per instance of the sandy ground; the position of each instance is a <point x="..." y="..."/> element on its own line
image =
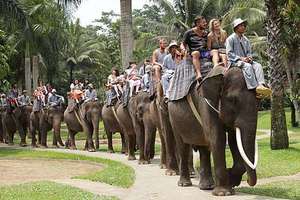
<point x="27" y="170"/>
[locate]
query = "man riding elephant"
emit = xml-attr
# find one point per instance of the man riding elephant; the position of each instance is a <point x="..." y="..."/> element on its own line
<point x="238" y="49"/>
<point x="45" y="119"/>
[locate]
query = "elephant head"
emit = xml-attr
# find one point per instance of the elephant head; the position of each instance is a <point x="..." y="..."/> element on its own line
<point x="238" y="111"/>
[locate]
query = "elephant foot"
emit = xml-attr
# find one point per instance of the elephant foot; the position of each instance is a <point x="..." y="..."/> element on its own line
<point x="73" y="148"/>
<point x="10" y="144"/>
<point x="223" y="191"/>
<point x="23" y="144"/>
<point x="163" y="166"/>
<point x="34" y="146"/>
<point x="235" y="180"/>
<point x="206" y="184"/>
<point x="144" y="162"/>
<point x="192" y="173"/>
<point x="123" y="152"/>
<point x="55" y="146"/>
<point x="131" y="158"/>
<point x="170" y="172"/>
<point x="91" y="150"/>
<point x="184" y="182"/>
<point x="61" y="144"/>
<point x="110" y="151"/>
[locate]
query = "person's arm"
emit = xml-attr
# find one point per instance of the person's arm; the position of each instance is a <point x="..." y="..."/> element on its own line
<point x="209" y="41"/>
<point x="154" y="58"/>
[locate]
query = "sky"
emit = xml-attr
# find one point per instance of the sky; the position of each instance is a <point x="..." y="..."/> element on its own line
<point x="90" y="10"/>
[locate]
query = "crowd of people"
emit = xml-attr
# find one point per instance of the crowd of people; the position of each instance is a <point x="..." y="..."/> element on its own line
<point x="199" y="45"/>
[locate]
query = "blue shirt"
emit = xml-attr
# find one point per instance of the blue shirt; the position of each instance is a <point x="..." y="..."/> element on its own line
<point x="234" y="48"/>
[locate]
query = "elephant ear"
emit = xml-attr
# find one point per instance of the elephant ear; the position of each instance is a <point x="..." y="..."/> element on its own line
<point x="212" y="85"/>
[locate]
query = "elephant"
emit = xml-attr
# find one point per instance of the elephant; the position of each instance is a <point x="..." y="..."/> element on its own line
<point x="25" y="119"/>
<point x="126" y="125"/>
<point x="12" y="120"/>
<point x="111" y="125"/>
<point x="45" y="120"/>
<point x="218" y="104"/>
<point x="142" y="112"/>
<point x="84" y="117"/>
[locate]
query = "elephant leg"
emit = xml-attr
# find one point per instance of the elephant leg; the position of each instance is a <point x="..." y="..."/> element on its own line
<point x="183" y="151"/>
<point x="131" y="147"/>
<point x="97" y="141"/>
<point x="109" y="142"/>
<point x="238" y="168"/>
<point x="124" y="149"/>
<point x="206" y="179"/>
<point x="89" y="137"/>
<point x="191" y="163"/>
<point x="152" y="145"/>
<point x="33" y="132"/>
<point x="56" y="134"/>
<point x="163" y="161"/>
<point x="54" y="141"/>
<point x="223" y="187"/>
<point x="72" y="140"/>
<point x="21" y="133"/>
<point x="140" y="136"/>
<point x="149" y="132"/>
<point x="43" y="132"/>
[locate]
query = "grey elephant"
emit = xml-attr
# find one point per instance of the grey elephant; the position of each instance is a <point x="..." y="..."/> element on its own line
<point x="12" y="120"/>
<point x="111" y="125"/>
<point x="220" y="104"/>
<point x="142" y="112"/>
<point x="84" y="118"/>
<point x="45" y="120"/>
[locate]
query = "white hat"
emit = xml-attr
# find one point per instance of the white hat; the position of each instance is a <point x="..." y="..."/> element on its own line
<point x="237" y="22"/>
<point x="173" y="43"/>
<point x="53" y="91"/>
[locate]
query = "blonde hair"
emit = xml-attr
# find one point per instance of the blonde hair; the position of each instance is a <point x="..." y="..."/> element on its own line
<point x="222" y="32"/>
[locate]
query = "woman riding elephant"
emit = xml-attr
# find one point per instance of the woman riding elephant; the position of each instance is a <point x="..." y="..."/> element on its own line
<point x="219" y="102"/>
<point x="84" y="117"/>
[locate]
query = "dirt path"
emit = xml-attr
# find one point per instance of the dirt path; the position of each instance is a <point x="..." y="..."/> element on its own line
<point x="150" y="183"/>
<point x="27" y="170"/>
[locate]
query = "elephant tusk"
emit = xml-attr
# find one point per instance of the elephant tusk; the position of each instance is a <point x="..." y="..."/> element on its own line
<point x="242" y="152"/>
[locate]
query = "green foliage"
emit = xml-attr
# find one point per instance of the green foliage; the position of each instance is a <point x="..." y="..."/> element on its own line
<point x="47" y="190"/>
<point x="4" y="54"/>
<point x="283" y="189"/>
<point x="115" y="173"/>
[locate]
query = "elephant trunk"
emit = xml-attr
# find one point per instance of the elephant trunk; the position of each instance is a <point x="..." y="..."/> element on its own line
<point x="95" y="121"/>
<point x="251" y="147"/>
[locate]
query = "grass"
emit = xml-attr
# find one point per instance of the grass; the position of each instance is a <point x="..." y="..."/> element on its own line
<point x="286" y="190"/>
<point x="49" y="190"/>
<point x="114" y="173"/>
<point x="264" y="120"/>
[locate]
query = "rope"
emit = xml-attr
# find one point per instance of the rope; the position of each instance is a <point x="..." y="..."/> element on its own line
<point x="76" y="115"/>
<point x="194" y="110"/>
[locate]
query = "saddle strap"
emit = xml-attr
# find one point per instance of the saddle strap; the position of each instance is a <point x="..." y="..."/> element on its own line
<point x="77" y="116"/>
<point x="115" y="114"/>
<point x="194" y="110"/>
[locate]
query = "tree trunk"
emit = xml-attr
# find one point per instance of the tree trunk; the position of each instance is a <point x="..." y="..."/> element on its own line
<point x="35" y="71"/>
<point x="27" y="70"/>
<point x="279" y="136"/>
<point x="126" y="32"/>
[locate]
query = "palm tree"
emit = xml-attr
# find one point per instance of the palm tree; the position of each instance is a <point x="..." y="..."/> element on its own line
<point x="126" y="32"/>
<point x="279" y="136"/>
